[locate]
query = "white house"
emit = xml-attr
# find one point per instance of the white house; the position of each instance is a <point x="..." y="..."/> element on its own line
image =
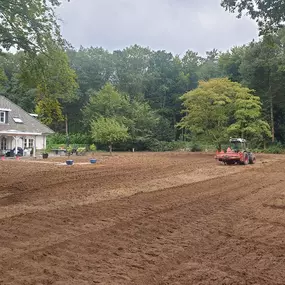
<point x="20" y="129"/>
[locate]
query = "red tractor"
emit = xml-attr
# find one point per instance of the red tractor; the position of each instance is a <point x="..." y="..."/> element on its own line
<point x="236" y="153"/>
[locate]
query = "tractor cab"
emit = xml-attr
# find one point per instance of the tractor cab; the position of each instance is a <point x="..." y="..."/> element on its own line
<point x="237" y="144"/>
<point x="236" y="153"/>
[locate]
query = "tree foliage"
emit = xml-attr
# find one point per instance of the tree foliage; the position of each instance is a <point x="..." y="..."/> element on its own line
<point x="219" y="108"/>
<point x="53" y="80"/>
<point x="27" y="24"/>
<point x="268" y="14"/>
<point x="108" y="102"/>
<point x="108" y="131"/>
<point x="140" y="88"/>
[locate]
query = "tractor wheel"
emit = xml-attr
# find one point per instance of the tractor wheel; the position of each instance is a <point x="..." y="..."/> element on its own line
<point x="245" y="158"/>
<point x="252" y="159"/>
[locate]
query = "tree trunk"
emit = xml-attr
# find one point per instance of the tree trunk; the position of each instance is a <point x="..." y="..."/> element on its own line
<point x="66" y="125"/>
<point x="110" y="149"/>
<point x="66" y="131"/>
<point x="270" y="95"/>
<point x="272" y="117"/>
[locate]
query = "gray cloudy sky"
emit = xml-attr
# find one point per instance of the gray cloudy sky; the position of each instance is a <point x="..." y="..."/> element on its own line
<point x="173" y="25"/>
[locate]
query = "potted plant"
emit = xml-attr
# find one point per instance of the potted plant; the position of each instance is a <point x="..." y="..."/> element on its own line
<point x="81" y="151"/>
<point x="69" y="150"/>
<point x="45" y="154"/>
<point x="93" y="148"/>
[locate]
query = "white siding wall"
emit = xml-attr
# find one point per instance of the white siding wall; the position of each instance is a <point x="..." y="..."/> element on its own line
<point x="40" y="142"/>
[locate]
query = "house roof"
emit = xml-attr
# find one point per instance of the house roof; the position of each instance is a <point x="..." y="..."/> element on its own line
<point x="21" y="121"/>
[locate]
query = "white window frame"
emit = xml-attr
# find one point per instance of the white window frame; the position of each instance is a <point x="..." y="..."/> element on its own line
<point x="18" y="120"/>
<point x="4" y="117"/>
<point x="3" y="143"/>
<point x="31" y="143"/>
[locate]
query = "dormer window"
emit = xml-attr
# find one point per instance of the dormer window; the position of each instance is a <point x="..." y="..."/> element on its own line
<point x="2" y="117"/>
<point x="18" y="120"/>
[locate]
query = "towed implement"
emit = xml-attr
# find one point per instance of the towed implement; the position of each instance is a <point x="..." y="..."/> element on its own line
<point x="236" y="153"/>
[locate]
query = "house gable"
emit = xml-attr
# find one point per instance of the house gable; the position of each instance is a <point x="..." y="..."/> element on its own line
<point x="14" y="118"/>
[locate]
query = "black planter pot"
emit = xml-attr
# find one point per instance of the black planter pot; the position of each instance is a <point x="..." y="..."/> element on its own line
<point x="45" y="155"/>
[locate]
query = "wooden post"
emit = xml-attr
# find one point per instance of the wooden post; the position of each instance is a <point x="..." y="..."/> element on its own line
<point x="16" y="146"/>
<point x="34" y="146"/>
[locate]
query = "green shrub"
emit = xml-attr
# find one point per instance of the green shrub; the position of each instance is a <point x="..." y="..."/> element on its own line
<point x="78" y="139"/>
<point x="196" y="148"/>
<point x="275" y="149"/>
<point x="93" y="148"/>
<point x="159" y="146"/>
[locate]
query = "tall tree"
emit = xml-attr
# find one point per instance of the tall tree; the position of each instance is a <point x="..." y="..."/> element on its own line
<point x="191" y="62"/>
<point x="218" y="108"/>
<point x="94" y="67"/>
<point x="230" y="62"/>
<point x="269" y="14"/>
<point x="107" y="103"/>
<point x="209" y="67"/>
<point x="54" y="80"/>
<point x="262" y="69"/>
<point x="132" y="65"/>
<point x="26" y="24"/>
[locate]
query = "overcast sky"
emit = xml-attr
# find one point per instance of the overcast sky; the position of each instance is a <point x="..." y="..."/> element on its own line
<point x="172" y="25"/>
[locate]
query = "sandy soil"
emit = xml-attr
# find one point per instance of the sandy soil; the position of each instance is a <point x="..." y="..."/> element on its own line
<point x="142" y="218"/>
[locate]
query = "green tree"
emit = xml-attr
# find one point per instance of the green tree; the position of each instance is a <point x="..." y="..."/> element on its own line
<point x="108" y="131"/>
<point x="49" y="110"/>
<point x="26" y="24"/>
<point x="190" y="64"/>
<point x="143" y="122"/>
<point x="262" y="69"/>
<point x="248" y="122"/>
<point x="220" y="106"/>
<point x="131" y="66"/>
<point x="230" y="62"/>
<point x="53" y="79"/>
<point x="268" y="14"/>
<point x="109" y="103"/>
<point x="94" y="67"/>
<point x="136" y="115"/>
<point x="209" y="67"/>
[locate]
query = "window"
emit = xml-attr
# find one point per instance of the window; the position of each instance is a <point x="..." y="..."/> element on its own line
<point x="3" y="145"/>
<point x="18" y="120"/>
<point x="28" y="143"/>
<point x="2" y="117"/>
<point x="31" y="143"/>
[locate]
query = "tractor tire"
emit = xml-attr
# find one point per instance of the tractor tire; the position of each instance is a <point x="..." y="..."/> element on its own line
<point x="252" y="159"/>
<point x="245" y="158"/>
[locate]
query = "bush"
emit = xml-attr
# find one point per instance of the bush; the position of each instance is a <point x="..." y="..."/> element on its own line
<point x="275" y="148"/>
<point x="58" y="138"/>
<point x="196" y="148"/>
<point x="81" y="151"/>
<point x="159" y="146"/>
<point x="93" y="148"/>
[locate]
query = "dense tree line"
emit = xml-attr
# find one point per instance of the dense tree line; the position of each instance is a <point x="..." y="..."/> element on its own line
<point x="145" y="96"/>
<point x="83" y="85"/>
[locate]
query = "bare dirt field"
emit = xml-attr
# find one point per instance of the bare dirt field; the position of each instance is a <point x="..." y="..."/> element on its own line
<point x="142" y="218"/>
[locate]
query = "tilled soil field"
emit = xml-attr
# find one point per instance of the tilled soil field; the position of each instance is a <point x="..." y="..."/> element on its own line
<point x="142" y="218"/>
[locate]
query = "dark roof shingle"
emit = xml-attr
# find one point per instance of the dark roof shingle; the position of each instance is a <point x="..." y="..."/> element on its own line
<point x="30" y="124"/>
